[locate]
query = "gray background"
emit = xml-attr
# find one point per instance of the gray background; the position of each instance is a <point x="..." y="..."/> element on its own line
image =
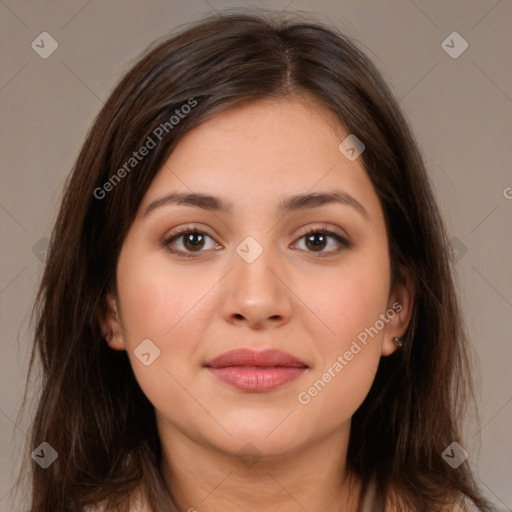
<point x="460" y="109"/>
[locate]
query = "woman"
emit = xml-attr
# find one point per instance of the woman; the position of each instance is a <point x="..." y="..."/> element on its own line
<point x="248" y="301"/>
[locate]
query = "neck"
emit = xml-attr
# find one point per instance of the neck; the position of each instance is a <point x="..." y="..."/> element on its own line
<point x="312" y="478"/>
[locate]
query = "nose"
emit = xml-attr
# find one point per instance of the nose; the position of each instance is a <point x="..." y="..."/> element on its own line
<point x="256" y="293"/>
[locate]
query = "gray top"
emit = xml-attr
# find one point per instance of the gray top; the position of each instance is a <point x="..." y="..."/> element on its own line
<point x="464" y="504"/>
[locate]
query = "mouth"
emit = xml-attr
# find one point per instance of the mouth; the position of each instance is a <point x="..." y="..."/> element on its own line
<point x="256" y="372"/>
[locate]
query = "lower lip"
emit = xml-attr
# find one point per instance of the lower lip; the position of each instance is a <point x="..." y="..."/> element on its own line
<point x="257" y="379"/>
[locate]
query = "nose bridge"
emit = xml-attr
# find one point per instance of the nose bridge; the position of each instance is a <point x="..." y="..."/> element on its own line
<point x="255" y="292"/>
<point x="253" y="262"/>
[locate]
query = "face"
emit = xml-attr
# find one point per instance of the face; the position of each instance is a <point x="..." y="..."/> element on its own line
<point x="308" y="277"/>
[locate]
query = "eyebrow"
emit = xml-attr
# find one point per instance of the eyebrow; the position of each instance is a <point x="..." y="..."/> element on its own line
<point x="290" y="204"/>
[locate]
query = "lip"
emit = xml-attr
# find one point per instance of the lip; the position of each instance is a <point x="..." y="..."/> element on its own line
<point x="256" y="372"/>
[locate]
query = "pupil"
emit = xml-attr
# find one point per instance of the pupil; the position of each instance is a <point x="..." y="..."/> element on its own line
<point x="317" y="245"/>
<point x="192" y="240"/>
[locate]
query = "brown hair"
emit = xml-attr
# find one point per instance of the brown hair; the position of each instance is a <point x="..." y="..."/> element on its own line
<point x="91" y="409"/>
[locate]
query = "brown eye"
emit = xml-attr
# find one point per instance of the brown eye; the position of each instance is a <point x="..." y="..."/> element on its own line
<point x="316" y="240"/>
<point x="193" y="241"/>
<point x="188" y="241"/>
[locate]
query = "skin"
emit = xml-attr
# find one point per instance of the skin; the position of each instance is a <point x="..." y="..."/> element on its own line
<point x="291" y="297"/>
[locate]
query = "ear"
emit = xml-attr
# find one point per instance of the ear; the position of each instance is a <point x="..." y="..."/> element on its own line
<point x="110" y="323"/>
<point x="399" y="312"/>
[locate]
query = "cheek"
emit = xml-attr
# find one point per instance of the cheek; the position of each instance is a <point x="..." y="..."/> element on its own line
<point x="168" y="310"/>
<point x="333" y="396"/>
<point x="159" y="298"/>
<point x="347" y="300"/>
<point x="349" y="345"/>
<point x="169" y="306"/>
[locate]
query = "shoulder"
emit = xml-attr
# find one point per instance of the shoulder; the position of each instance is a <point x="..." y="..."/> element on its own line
<point x="138" y="503"/>
<point x="460" y="503"/>
<point x="102" y="507"/>
<point x="464" y="504"/>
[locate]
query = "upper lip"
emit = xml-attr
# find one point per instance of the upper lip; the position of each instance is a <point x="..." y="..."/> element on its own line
<point x="247" y="357"/>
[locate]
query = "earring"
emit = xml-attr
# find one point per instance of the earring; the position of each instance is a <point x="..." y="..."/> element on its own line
<point x="114" y="305"/>
<point x="109" y="336"/>
<point x="398" y="342"/>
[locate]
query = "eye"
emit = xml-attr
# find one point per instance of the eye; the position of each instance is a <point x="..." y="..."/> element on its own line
<point x="189" y="241"/>
<point x="192" y="240"/>
<point x="317" y="239"/>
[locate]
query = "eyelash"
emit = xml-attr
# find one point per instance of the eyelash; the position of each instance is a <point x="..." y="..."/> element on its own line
<point x="345" y="244"/>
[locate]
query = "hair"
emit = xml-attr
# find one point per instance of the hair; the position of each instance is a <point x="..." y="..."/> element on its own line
<point x="91" y="409"/>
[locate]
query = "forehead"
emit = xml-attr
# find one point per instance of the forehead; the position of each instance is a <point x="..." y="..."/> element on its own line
<point x="279" y="130"/>
<point x="265" y="149"/>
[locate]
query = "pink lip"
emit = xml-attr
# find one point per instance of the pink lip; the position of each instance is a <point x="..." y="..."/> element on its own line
<point x="256" y="371"/>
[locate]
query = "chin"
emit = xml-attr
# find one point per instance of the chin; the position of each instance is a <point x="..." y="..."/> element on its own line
<point x="268" y="435"/>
